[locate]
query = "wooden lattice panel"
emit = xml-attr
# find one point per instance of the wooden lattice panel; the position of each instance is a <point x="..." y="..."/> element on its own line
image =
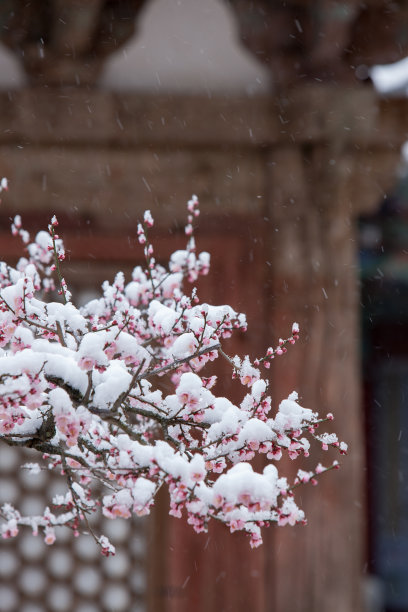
<point x="72" y="574"/>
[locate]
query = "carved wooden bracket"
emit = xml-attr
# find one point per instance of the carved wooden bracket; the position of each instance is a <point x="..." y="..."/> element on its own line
<point x="65" y="42"/>
<point x="322" y="40"/>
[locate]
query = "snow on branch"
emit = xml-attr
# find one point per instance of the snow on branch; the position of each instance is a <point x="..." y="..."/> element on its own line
<point x="85" y="388"/>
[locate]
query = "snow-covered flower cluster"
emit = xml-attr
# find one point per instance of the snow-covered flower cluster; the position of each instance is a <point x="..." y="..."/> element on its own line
<point x="121" y="393"/>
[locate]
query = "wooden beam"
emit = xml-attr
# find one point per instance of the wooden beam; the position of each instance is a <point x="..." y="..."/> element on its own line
<point x="313" y="113"/>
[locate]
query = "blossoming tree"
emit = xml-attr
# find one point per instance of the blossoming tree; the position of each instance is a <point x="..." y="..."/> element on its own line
<point x="84" y="387"/>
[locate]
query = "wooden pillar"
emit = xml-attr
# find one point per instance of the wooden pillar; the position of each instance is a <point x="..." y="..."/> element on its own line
<point x="216" y="571"/>
<point x="315" y="282"/>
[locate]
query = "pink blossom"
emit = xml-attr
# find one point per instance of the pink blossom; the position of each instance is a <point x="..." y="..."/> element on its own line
<point x="253" y="445"/>
<point x="86" y="363"/>
<point x="116" y="511"/>
<point x="6" y="423"/>
<point x="110" y="351"/>
<point x="50" y="537"/>
<point x="236" y="525"/>
<point x="175" y="510"/>
<point x="10" y="531"/>
<point x="120" y="378"/>
<point x="256" y="540"/>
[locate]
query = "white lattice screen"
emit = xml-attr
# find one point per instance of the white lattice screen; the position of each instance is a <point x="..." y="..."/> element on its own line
<point x="71" y="574"/>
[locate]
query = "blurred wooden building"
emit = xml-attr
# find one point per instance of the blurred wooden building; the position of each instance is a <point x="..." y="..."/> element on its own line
<point x="284" y="162"/>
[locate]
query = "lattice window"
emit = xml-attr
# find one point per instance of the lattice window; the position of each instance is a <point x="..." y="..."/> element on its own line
<point x="72" y="574"/>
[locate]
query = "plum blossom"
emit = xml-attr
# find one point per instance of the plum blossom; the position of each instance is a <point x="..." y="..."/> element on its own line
<point x="113" y="393"/>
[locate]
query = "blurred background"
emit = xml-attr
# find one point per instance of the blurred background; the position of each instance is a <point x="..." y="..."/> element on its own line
<point x="287" y="121"/>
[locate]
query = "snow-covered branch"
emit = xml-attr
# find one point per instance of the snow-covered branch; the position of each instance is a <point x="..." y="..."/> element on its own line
<point x="84" y="387"/>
